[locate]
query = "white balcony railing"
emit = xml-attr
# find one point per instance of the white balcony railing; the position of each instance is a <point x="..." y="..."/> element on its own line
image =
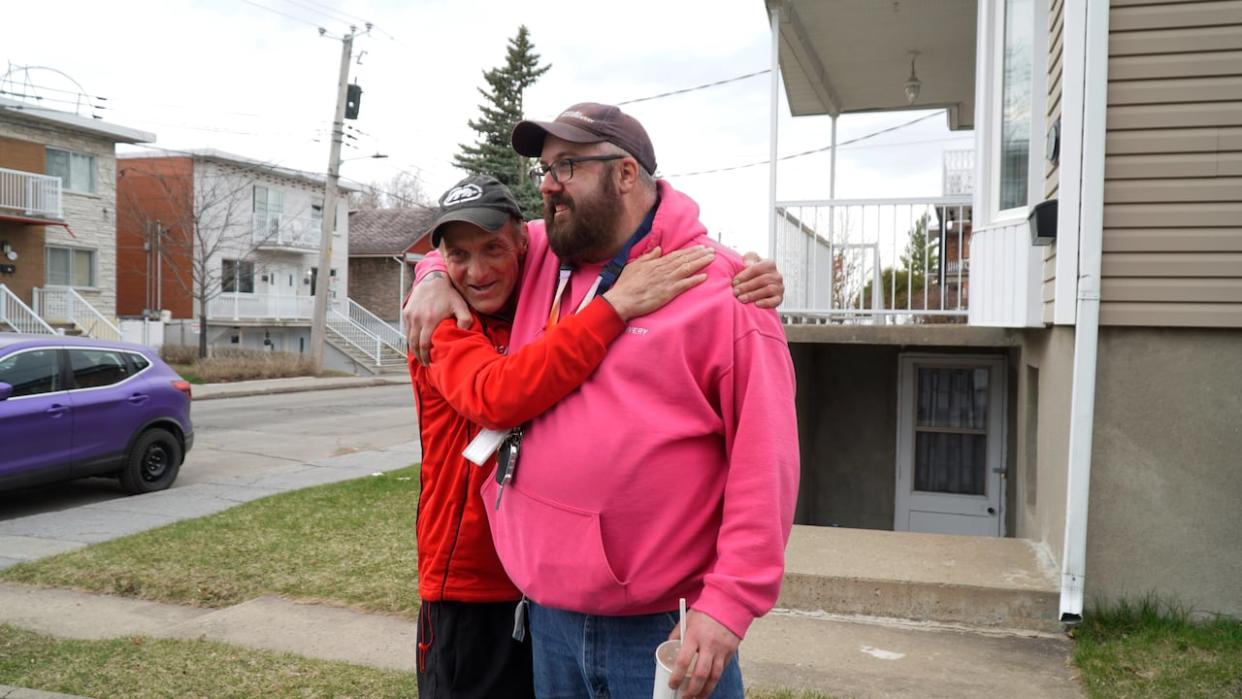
<point x="238" y="306"/>
<point x="31" y="194"/>
<point x="64" y="304"/>
<point x="874" y="260"/>
<point x="286" y="232"/>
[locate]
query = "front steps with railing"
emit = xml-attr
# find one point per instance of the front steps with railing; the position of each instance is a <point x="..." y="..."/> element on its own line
<point x="366" y="340"/>
<point x="64" y="307"/>
<point x="16" y="316"/>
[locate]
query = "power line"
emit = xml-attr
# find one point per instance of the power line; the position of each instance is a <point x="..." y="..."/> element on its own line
<point x="696" y="87"/>
<point x="353" y="17"/>
<point x="60" y="100"/>
<point x="303" y="20"/>
<point x="813" y="151"/>
<point x="333" y="17"/>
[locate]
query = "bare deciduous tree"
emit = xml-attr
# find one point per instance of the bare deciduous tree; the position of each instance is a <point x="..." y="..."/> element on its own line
<point x="402" y="191"/>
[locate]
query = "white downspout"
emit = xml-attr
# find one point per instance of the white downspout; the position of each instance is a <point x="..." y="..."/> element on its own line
<point x="773" y="113"/>
<point x="1087" y="331"/>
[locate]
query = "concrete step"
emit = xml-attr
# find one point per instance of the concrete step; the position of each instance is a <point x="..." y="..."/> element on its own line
<point x="973" y="581"/>
<point x="861" y="657"/>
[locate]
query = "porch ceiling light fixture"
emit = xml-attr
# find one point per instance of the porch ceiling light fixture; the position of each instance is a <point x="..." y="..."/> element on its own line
<point x="913" y="84"/>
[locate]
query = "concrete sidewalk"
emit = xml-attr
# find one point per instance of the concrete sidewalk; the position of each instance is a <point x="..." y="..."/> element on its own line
<point x="297" y="384"/>
<point x="856" y="657"/>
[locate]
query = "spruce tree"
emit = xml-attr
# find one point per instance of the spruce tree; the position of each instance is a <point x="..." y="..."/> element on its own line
<point x="501" y="110"/>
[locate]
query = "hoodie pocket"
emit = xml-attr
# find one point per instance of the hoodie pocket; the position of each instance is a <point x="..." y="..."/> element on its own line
<point x="554" y="552"/>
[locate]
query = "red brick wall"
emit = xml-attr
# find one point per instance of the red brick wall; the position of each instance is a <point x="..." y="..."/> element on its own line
<point x="150" y="190"/>
<point x="26" y="240"/>
<point x="374" y="283"/>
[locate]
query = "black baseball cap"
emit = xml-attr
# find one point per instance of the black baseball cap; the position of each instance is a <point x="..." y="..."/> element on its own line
<point x="588" y="122"/>
<point x="478" y="199"/>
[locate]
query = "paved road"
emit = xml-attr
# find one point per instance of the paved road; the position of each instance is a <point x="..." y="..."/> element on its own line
<point x="245" y="438"/>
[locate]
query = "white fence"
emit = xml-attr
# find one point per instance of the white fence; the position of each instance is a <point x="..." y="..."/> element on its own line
<point x="239" y="306"/>
<point x="278" y="231"/>
<point x="874" y="260"/>
<point x="37" y="195"/>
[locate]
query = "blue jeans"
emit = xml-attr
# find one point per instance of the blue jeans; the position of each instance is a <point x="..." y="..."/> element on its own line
<point x="605" y="657"/>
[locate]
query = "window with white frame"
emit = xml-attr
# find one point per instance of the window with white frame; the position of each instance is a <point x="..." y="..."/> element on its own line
<point x="1017" y="61"/>
<point x="69" y="267"/>
<point x="268" y="205"/>
<point x="75" y="170"/>
<point x="237" y="276"/>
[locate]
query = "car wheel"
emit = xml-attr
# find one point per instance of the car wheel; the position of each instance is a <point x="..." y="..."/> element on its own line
<point x="152" y="463"/>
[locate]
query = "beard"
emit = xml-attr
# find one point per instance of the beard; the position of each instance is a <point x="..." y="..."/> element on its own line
<point x="586" y="231"/>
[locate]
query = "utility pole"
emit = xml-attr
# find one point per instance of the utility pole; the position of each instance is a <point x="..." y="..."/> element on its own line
<point x="323" y="281"/>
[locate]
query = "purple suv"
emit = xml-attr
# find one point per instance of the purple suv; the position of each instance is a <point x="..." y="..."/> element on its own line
<point x="73" y="407"/>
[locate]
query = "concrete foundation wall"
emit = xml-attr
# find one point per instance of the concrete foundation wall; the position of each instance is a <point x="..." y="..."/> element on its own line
<point x="847" y="417"/>
<point x="1040" y="454"/>
<point x="1166" y="476"/>
<point x="847" y="430"/>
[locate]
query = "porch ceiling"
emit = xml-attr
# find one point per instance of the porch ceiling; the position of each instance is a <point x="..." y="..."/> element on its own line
<point x="844" y="56"/>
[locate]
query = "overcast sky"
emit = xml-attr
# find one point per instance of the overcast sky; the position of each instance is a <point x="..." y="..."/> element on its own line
<point x="231" y="75"/>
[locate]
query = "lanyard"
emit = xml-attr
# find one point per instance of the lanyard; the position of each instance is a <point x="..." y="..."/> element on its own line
<point x="607" y="277"/>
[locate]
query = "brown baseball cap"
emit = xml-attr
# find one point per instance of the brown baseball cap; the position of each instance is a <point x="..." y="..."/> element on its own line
<point x="588" y="122"/>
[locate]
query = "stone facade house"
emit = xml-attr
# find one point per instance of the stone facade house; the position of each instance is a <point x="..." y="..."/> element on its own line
<point x="58" y="210"/>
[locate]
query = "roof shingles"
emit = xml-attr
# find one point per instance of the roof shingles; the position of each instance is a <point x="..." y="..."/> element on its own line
<point x="387" y="231"/>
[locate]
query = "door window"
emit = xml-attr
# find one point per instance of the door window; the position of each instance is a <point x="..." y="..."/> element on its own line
<point x="31" y="373"/>
<point x="950" y="430"/>
<point x="94" y="368"/>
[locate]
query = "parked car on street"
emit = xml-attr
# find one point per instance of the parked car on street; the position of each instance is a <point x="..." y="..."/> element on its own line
<point x="72" y="407"/>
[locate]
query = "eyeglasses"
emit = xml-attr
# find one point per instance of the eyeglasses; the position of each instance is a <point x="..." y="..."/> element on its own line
<point x="562" y="170"/>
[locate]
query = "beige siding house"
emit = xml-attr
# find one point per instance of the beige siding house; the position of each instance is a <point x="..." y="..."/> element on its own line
<point x="1114" y="428"/>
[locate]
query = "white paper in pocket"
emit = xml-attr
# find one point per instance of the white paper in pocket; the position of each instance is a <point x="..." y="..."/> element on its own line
<point x="484" y="445"/>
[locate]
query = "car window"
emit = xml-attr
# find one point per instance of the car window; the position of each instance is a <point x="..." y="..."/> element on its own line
<point x="140" y="362"/>
<point x="92" y="368"/>
<point x="30" y="373"/>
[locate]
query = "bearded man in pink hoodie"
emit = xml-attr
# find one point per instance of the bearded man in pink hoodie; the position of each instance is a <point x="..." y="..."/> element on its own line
<point x="673" y="471"/>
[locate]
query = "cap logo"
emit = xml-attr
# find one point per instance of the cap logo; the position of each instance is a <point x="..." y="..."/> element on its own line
<point x="575" y="114"/>
<point x="462" y="194"/>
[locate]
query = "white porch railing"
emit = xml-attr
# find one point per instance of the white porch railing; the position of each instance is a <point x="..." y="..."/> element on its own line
<point x="239" y="306"/>
<point x="288" y="232"/>
<point x="64" y="304"/>
<point x="874" y="260"/>
<point x="18" y="316"/>
<point x="30" y="193"/>
<point x="365" y="341"/>
<point x="373" y="324"/>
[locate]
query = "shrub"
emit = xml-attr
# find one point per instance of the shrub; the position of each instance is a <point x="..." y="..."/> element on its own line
<point x="179" y="354"/>
<point x="236" y="364"/>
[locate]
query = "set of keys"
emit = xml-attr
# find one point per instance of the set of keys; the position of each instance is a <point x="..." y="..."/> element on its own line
<point x="506" y="461"/>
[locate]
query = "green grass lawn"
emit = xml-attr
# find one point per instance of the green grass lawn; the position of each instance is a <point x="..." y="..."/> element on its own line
<point x="187" y="372"/>
<point x="350" y="544"/>
<point x="141" y="667"/>
<point x="1152" y="649"/>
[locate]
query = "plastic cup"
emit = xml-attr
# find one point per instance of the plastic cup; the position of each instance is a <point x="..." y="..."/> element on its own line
<point x="665" y="659"/>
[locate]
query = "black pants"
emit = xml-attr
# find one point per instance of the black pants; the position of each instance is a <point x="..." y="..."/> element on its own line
<point x="466" y="650"/>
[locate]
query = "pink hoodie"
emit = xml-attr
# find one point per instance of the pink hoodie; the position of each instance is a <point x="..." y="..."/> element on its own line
<point x="673" y="471"/>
